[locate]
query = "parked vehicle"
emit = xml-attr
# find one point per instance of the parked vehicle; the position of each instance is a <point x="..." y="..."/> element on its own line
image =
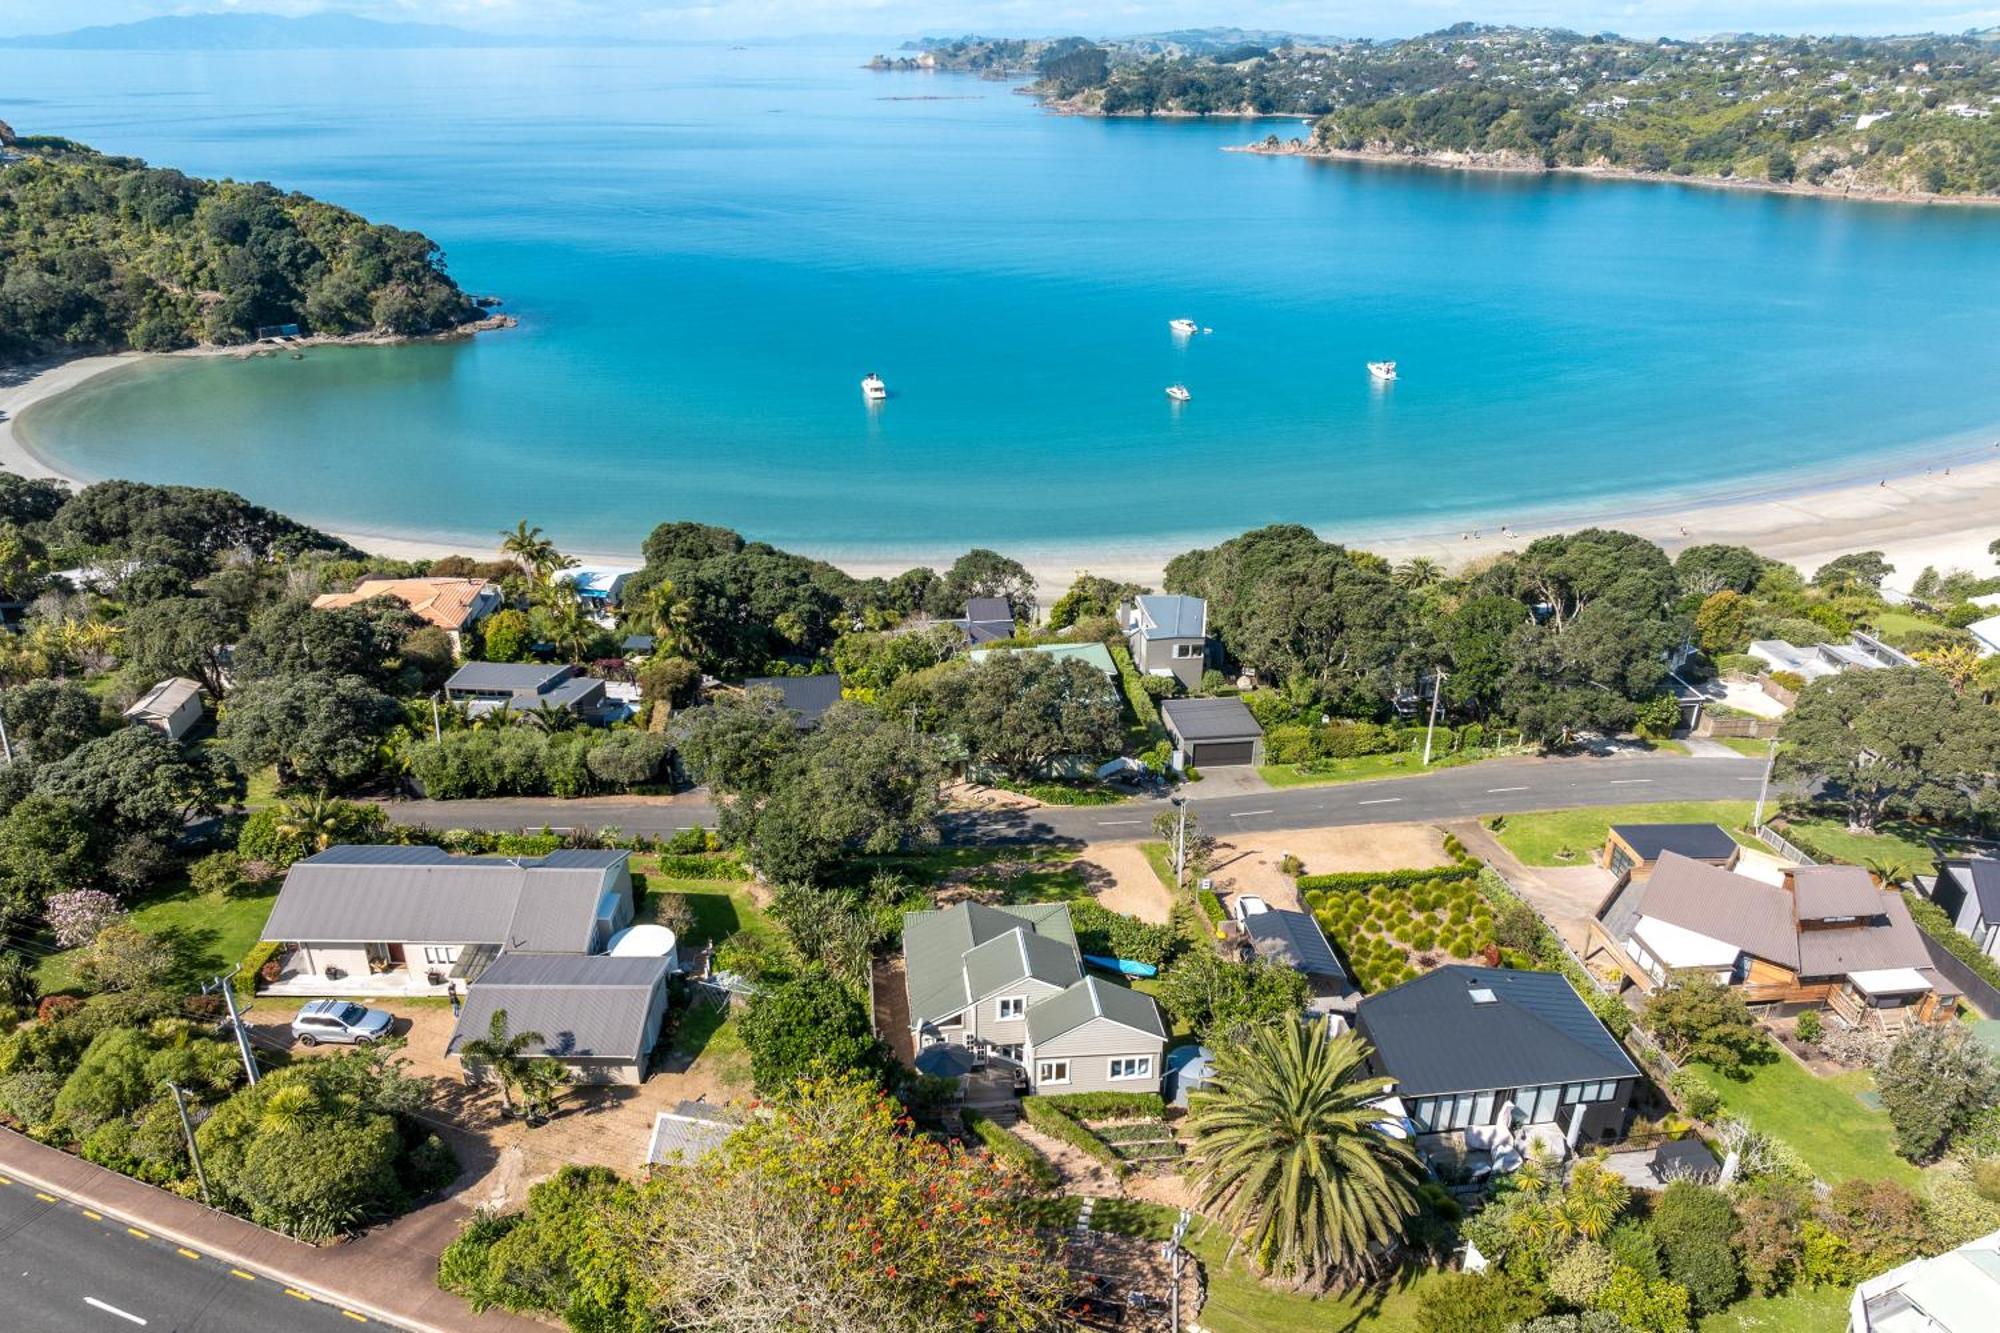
<point x="339" y="1021"/>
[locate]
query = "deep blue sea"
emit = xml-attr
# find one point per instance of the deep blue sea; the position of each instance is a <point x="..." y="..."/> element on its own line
<point x="708" y="247"/>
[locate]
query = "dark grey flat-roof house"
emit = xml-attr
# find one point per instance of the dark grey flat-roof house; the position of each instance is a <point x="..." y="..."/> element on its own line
<point x="1282" y="935"/>
<point x="1006" y="984"/>
<point x="986" y="620"/>
<point x="808" y="697"/>
<point x="1168" y="636"/>
<point x="522" y="687"/>
<point x="1969" y="893"/>
<point x="1635" y="848"/>
<point x="524" y="934"/>
<point x="1213" y="733"/>
<point x="1465" y="1044"/>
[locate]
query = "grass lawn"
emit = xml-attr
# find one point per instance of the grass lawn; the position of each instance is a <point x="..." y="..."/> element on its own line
<point x="1748" y="746"/>
<point x="1361" y="768"/>
<point x="217" y="932"/>
<point x="1537" y="837"/>
<point x="721" y="909"/>
<point x="1821" y="1118"/>
<point x="1896" y="842"/>
<point x="1821" y="1311"/>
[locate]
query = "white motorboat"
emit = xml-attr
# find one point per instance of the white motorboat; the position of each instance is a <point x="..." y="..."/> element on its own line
<point x="1178" y="392"/>
<point x="1184" y="327"/>
<point x="873" y="389"/>
<point x="1382" y="370"/>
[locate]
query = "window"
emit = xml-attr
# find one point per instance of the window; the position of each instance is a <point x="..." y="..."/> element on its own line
<point x="1187" y="649"/>
<point x="1132" y="1066"/>
<point x="1012" y="1006"/>
<point x="1009" y="1051"/>
<point x="1482" y="1109"/>
<point x="1052" y="1071"/>
<point x="1539" y="1104"/>
<point x="440" y="953"/>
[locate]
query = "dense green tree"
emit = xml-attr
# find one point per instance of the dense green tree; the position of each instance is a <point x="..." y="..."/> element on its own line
<point x="1933" y="1081"/>
<point x="1090" y="595"/>
<point x="1223" y="1000"/>
<point x="812" y="1024"/>
<point x="29" y="500"/>
<point x="136" y="781"/>
<point x="182" y="636"/>
<point x="876" y="661"/>
<point x="1478" y="638"/>
<point x="47" y="846"/>
<point x="1892" y="742"/>
<point x="321" y="731"/>
<point x="1696" y="1018"/>
<point x="1705" y="570"/>
<point x="189" y="528"/>
<point x="738" y="746"/>
<point x="1020" y="711"/>
<point x="1722" y="622"/>
<point x="1861" y="571"/>
<point x="46" y="719"/>
<point x="859" y="784"/>
<point x="1696" y="1225"/>
<point x="983" y="573"/>
<point x="1287" y="1148"/>
<point x="291" y="638"/>
<point x="1489" y="1302"/>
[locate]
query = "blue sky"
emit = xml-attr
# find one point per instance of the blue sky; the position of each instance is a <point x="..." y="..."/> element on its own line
<point x="737" y="18"/>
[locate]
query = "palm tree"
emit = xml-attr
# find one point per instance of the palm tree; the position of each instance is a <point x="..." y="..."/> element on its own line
<point x="670" y="615"/>
<point x="1890" y="871"/>
<point x="314" y="820"/>
<point x="1417" y="572"/>
<point x="550" y="717"/>
<point x="1289" y="1151"/>
<point x="1593" y="1200"/>
<point x="535" y="554"/>
<point x="502" y="1054"/>
<point x="565" y="620"/>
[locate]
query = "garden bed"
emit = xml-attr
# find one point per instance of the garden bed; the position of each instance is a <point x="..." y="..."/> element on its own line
<point x="1400" y="926"/>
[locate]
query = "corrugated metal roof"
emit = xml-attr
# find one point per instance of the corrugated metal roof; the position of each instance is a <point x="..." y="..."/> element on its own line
<point x="1090" y="999"/>
<point x="808" y="697"/>
<point x="514" y="677"/>
<point x="165" y="699"/>
<point x="1012" y="958"/>
<point x="1431" y="1037"/>
<point x="1836" y="890"/>
<point x="684" y="1135"/>
<point x="1889" y="940"/>
<point x="1168" y="616"/>
<point x="1979" y="875"/>
<point x="1295" y="939"/>
<point x="360" y="894"/>
<point x="935" y="945"/>
<point x="1210" y="719"/>
<point x="585" y="1006"/>
<point x="1091" y="654"/>
<point x="1694" y="895"/>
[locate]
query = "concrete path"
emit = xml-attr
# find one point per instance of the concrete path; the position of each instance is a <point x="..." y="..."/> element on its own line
<point x="1566" y="896"/>
<point x="388" y="1275"/>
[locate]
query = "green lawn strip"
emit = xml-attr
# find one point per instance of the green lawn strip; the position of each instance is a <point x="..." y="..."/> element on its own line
<point x="1536" y="837"/>
<point x="1363" y="768"/>
<point x="1822" y="1310"/>
<point x="217" y="931"/>
<point x="1821" y="1118"/>
<point x="1749" y="746"/>
<point x="721" y="909"/>
<point x="1824" y="838"/>
<point x="1160" y="857"/>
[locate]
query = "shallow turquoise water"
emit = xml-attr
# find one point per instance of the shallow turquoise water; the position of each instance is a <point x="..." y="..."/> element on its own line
<point x="707" y="249"/>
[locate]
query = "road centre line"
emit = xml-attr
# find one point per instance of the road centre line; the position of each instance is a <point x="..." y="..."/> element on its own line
<point x="1627" y="782"/>
<point x="1382" y="800"/>
<point x="1491" y="791"/>
<point x="1245" y="814"/>
<point x="1117" y="823"/>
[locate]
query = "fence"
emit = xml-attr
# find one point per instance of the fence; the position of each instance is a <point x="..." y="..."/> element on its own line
<point x="1776" y="841"/>
<point x="1752" y="728"/>
<point x="1978" y="992"/>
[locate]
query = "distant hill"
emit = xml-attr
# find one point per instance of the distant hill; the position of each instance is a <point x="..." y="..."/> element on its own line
<point x="265" y="32"/>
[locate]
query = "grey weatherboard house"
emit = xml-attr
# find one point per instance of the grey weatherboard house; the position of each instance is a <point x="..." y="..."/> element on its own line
<point x="524" y="934"/>
<point x="1463" y="1043"/>
<point x="1969" y="893"/>
<point x="1006" y="984"/>
<point x="1168" y="636"/>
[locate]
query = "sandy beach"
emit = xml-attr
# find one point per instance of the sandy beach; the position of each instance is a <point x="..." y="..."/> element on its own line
<point x="1943" y="514"/>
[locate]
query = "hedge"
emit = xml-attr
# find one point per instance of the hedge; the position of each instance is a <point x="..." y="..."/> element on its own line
<point x="1057" y="1124"/>
<point x="244" y="983"/>
<point x="1934" y="923"/>
<point x="1388" y="879"/>
<point x="1136" y="697"/>
<point x="1099" y="930"/>
<point x="1211" y="906"/>
<point x="702" y="867"/>
<point x="1107" y="1105"/>
<point x="1011" y="1148"/>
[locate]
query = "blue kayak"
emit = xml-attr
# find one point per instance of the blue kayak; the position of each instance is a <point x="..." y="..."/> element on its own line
<point x="1124" y="966"/>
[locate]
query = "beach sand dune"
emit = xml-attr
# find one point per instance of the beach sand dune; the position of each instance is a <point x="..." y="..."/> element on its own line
<point x="1944" y="515"/>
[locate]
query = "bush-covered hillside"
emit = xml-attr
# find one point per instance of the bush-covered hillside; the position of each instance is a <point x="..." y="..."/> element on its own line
<point x="106" y="253"/>
<point x="1904" y="114"/>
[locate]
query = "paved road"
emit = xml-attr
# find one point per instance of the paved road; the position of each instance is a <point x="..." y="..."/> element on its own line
<point x="65" y="1271"/>
<point x="1503" y="786"/>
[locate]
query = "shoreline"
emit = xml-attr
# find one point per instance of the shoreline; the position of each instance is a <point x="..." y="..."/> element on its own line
<point x="1943" y="514"/>
<point x="1310" y="151"/>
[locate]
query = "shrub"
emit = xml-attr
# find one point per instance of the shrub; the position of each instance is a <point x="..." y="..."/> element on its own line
<point x="1646" y="1305"/>
<point x="1933" y="1081"/>
<point x="76" y="917"/>
<point x="1211" y="906"/>
<point x="1289" y="744"/>
<point x="1633" y="1245"/>
<point x="1694" y="1094"/>
<point x="1580" y="1275"/>
<point x="1101" y="931"/>
<point x="1058" y="1124"/>
<point x="1809" y="1026"/>
<point x="261" y="956"/>
<point x="703" y="867"/>
<point x="1695" y="1225"/>
<point x="1108" y="1105"/>
<point x="53" y="1007"/>
<point x="1012" y="1149"/>
<point x="688" y="842"/>
<point x="1389" y="879"/>
<point x="1934" y="923"/>
<point x="1488" y="1302"/>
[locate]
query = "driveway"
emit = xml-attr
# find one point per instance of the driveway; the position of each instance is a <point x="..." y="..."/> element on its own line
<point x="1567" y="896"/>
<point x="1231" y="780"/>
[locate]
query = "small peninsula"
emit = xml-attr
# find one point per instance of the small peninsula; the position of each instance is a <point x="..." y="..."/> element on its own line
<point x="1908" y="117"/>
<point x="108" y="254"/>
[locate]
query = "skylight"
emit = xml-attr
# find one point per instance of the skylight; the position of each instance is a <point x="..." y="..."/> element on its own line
<point x="1480" y="995"/>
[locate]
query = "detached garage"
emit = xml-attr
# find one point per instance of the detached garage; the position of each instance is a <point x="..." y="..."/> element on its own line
<point x="1213" y="733"/>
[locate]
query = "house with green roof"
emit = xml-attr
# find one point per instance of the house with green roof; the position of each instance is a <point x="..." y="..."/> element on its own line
<point x="1005" y="985"/>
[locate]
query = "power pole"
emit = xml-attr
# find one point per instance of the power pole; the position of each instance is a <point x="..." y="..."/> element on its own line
<point x="6" y="746"/>
<point x="437" y="727"/>
<point x="221" y="983"/>
<point x="1437" y="688"/>
<point x="1174" y="1253"/>
<point x="194" y="1153"/>
<point x="1180" y="846"/>
<point x="1764" y="787"/>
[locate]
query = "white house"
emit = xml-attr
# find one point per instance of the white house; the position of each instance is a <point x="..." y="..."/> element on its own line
<point x="172" y="708"/>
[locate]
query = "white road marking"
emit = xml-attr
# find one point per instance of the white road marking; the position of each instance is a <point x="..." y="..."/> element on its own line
<point x="1241" y="814"/>
<point x="112" y="1309"/>
<point x="1117" y="823"/>
<point x="1628" y="782"/>
<point x="1382" y="800"/>
<point x="1490" y="791"/>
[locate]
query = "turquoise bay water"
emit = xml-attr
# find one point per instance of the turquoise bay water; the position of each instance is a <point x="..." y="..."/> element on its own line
<point x="708" y="248"/>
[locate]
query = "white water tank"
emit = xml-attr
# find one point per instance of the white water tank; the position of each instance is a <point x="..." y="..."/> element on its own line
<point x="643" y="941"/>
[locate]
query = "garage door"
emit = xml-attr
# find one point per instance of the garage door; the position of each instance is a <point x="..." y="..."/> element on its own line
<point x="1220" y="754"/>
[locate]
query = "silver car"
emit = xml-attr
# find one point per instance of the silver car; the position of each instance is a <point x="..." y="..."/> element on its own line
<point x="339" y="1021"/>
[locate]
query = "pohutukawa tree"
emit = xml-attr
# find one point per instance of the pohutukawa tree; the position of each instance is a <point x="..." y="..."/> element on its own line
<point x="1289" y="1153"/>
